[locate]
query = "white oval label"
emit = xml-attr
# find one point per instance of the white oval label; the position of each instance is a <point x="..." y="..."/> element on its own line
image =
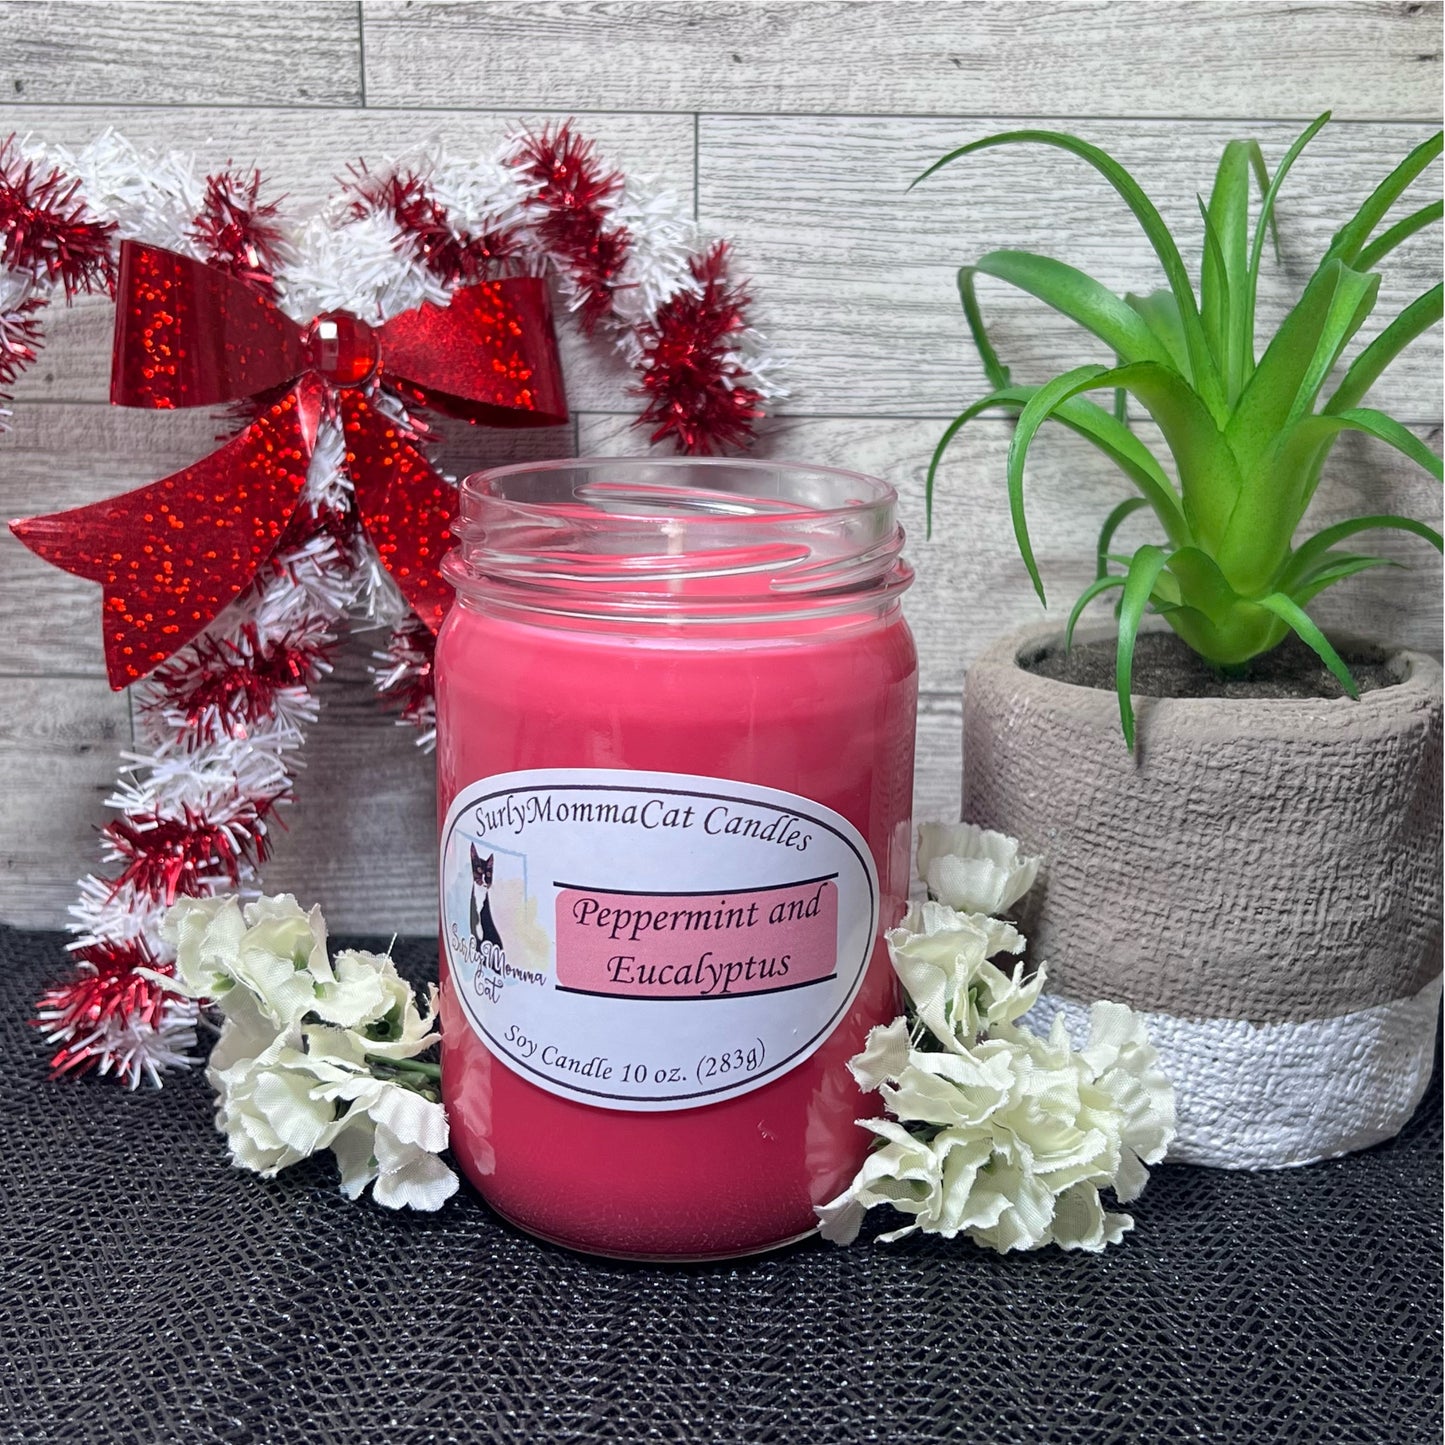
<point x="652" y="940"/>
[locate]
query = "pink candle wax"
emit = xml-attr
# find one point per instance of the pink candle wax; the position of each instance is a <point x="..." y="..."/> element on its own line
<point x="676" y="711"/>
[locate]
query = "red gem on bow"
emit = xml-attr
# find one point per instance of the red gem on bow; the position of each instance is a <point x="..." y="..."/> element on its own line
<point x="171" y="555"/>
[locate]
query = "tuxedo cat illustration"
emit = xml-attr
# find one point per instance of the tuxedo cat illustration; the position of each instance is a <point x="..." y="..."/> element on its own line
<point x="484" y="928"/>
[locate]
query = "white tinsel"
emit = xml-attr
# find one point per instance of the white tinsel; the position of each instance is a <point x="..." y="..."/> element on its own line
<point x="150" y="195"/>
<point x="106" y="914"/>
<point x="760" y="363"/>
<point x="131" y="1048"/>
<point x="16" y="288"/>
<point x="664" y="240"/>
<point x="363" y="264"/>
<point x="479" y="195"/>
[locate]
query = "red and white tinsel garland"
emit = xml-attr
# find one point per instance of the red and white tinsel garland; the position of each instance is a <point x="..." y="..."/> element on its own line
<point x="220" y="725"/>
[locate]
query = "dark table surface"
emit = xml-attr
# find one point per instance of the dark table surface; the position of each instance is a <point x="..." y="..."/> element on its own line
<point x="152" y="1293"/>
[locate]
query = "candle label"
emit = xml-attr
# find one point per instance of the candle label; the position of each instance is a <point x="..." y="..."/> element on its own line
<point x="652" y="940"/>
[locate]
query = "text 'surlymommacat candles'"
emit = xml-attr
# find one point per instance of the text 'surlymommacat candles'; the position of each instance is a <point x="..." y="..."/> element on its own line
<point x="675" y="716"/>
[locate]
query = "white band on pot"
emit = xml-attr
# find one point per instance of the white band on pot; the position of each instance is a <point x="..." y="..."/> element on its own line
<point x="1267" y="1096"/>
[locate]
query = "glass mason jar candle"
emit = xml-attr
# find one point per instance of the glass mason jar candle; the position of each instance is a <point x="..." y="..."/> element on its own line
<point x="675" y="722"/>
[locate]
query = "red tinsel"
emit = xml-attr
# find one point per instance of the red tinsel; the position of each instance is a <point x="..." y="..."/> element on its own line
<point x="44" y="230"/>
<point x="572" y="221"/>
<point x="105" y="989"/>
<point x="238" y="230"/>
<point x="694" y="390"/>
<point x="452" y="257"/>
<point x="170" y="858"/>
<point x="697" y="393"/>
<point x="221" y="687"/>
<point x="44" y="234"/>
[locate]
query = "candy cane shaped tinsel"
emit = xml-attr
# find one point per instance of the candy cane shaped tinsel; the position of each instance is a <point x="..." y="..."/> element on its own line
<point x="221" y="719"/>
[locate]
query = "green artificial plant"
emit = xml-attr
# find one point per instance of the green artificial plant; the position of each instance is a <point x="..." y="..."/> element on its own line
<point x="1248" y="435"/>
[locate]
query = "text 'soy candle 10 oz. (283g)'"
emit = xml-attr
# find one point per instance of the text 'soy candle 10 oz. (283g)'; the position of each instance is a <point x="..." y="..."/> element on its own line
<point x="675" y="722"/>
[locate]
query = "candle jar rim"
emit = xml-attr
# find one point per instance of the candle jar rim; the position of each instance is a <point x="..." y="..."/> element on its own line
<point x="676" y="539"/>
<point x="507" y="483"/>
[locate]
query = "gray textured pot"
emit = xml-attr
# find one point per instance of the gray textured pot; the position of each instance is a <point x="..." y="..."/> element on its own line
<point x="1262" y="880"/>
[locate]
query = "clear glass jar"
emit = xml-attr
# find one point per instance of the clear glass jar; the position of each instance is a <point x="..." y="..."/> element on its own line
<point x="675" y="724"/>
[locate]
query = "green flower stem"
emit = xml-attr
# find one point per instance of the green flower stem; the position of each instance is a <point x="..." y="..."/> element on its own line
<point x="415" y="1066"/>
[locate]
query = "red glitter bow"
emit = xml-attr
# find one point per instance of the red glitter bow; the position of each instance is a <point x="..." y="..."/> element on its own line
<point x="172" y="554"/>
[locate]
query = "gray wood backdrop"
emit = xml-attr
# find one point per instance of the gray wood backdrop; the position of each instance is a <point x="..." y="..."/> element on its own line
<point x="795" y="127"/>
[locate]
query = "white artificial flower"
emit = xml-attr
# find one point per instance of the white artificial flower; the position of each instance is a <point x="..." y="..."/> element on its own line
<point x="998" y="1134"/>
<point x="972" y="869"/>
<point x="942" y="957"/>
<point x="390" y="1138"/>
<point x="1082" y="1222"/>
<point x="903" y="1172"/>
<point x="394" y="1028"/>
<point x="1125" y="1067"/>
<point x="953" y="1089"/>
<point x="1008" y="1208"/>
<point x="270" y="959"/>
<point x="313" y="1052"/>
<point x="885" y="1055"/>
<point x="1055" y="1126"/>
<point x="270" y="1109"/>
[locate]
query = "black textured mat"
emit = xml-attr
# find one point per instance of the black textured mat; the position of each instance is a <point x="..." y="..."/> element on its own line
<point x="151" y="1293"/>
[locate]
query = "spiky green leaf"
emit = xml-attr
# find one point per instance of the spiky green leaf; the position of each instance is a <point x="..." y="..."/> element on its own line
<point x="1301" y="624"/>
<point x="1224" y="274"/>
<point x="1160" y="313"/>
<point x="1096" y="588"/>
<point x="1335" y="567"/>
<point x="1079" y="297"/>
<point x="1112" y="523"/>
<point x="1383" y="244"/>
<point x="994" y="369"/>
<point x="1208" y="476"/>
<point x="1351" y="239"/>
<point x="1201" y="584"/>
<point x="1202" y="368"/>
<point x="1313" y="429"/>
<point x="1418" y="317"/>
<point x="1300" y="357"/>
<point x="1144" y="568"/>
<point x="1087" y="420"/>
<point x="1266" y="225"/>
<point x="1256" y="543"/>
<point x="1308" y="553"/>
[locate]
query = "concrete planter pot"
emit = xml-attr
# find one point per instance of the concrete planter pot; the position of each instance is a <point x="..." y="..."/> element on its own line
<point x="1262" y="880"/>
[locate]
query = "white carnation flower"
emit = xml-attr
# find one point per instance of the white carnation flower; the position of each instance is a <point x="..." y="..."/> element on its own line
<point x="276" y="953"/>
<point x="953" y="1089"/>
<point x="885" y="1055"/>
<point x="972" y="869"/>
<point x="390" y="1138"/>
<point x="997" y="1134"/>
<point x="903" y="1171"/>
<point x="942" y="957"/>
<point x="1082" y="1222"/>
<point x="314" y="1053"/>
<point x="1125" y="1068"/>
<point x="270" y="1111"/>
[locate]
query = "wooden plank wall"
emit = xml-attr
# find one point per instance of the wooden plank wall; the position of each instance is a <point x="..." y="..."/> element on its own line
<point x="796" y="128"/>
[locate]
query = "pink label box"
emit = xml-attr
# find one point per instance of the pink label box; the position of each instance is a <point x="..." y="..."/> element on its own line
<point x="696" y="945"/>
